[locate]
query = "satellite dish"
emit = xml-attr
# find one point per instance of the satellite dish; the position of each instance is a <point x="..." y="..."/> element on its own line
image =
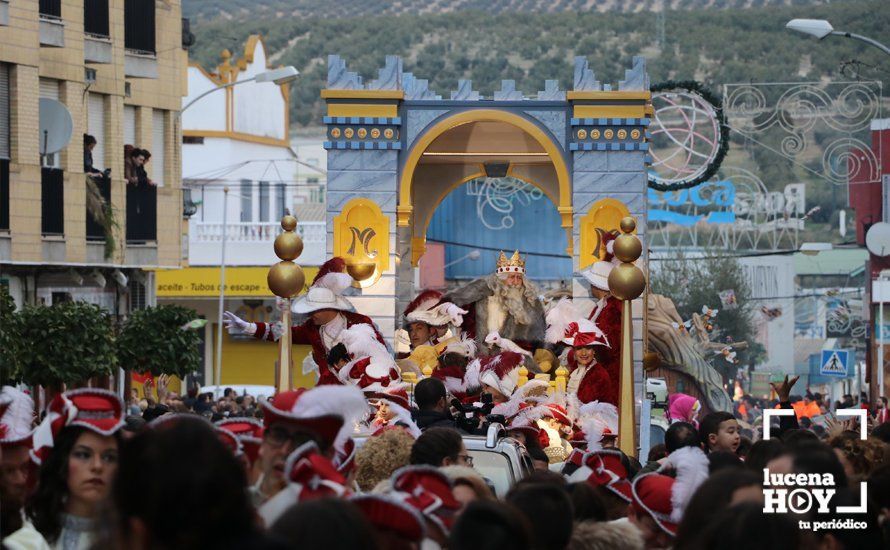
<point x="877" y="240"/>
<point x="56" y="126"/>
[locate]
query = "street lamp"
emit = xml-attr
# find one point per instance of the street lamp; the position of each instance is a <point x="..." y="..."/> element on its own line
<point x="284" y="75"/>
<point x="821" y="28"/>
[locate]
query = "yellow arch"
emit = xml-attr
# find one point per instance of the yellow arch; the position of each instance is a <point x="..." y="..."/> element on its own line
<point x="564" y="204"/>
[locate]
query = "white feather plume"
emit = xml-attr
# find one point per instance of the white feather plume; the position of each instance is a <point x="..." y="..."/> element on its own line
<point x="464" y="345"/>
<point x="19" y="417"/>
<point x="347" y="402"/>
<point x="471" y="377"/>
<point x="691" y="466"/>
<point x="558" y="319"/>
<point x="522" y="394"/>
<point x="335" y="282"/>
<point x="403" y="416"/>
<point x="495" y="339"/>
<point x="361" y="341"/>
<point x="594" y="418"/>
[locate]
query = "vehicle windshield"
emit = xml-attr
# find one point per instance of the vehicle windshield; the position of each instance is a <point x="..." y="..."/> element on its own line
<point x="494" y="467"/>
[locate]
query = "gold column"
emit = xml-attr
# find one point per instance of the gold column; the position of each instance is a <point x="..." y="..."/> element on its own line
<point x="286" y="280"/>
<point x="627" y="282"/>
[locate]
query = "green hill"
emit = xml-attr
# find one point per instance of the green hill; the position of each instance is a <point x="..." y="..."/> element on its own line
<point x="243" y="9"/>
<point x="714" y="46"/>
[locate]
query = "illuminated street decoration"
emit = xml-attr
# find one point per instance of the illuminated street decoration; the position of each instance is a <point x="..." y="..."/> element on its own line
<point x="827" y="121"/>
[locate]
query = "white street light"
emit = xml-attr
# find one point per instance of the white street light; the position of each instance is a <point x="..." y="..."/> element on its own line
<point x="821" y="28"/>
<point x="813" y="249"/>
<point x="284" y="75"/>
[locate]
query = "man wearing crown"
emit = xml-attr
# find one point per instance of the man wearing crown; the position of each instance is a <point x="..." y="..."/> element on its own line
<point x="506" y="302"/>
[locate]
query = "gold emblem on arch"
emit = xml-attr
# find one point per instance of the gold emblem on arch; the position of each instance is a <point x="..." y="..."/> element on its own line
<point x="604" y="216"/>
<point x="361" y="237"/>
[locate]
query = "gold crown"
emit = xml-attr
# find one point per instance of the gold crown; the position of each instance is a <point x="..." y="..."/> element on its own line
<point x="514" y="265"/>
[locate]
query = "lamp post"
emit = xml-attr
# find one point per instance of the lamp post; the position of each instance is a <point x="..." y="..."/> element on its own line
<point x="821" y="28"/>
<point x="284" y="75"/>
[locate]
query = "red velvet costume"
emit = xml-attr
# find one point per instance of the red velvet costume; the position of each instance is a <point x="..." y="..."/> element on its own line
<point x="596" y="385"/>
<point x="609" y="321"/>
<point x="310" y="334"/>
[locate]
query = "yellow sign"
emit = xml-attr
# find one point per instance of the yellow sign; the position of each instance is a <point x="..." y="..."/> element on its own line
<point x="199" y="282"/>
<point x="361" y="236"/>
<point x="603" y="217"/>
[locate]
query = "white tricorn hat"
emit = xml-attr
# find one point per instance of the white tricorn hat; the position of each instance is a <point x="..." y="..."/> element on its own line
<point x="318" y="298"/>
<point x="597" y="274"/>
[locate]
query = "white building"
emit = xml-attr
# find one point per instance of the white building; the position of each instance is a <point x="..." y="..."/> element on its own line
<point x="239" y="138"/>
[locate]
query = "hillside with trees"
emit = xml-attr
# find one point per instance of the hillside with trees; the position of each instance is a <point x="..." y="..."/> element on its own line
<point x="713" y="46"/>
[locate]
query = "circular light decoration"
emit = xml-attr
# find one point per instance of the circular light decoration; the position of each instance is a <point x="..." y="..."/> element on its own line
<point x="689" y="135"/>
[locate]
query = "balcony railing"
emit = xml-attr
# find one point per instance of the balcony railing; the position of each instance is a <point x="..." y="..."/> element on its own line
<point x="312" y="233"/>
<point x="142" y="213"/>
<point x="51" y="8"/>
<point x="95" y="17"/>
<point x="139" y="25"/>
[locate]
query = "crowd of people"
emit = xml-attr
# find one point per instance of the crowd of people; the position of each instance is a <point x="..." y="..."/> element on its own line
<point x="375" y="455"/>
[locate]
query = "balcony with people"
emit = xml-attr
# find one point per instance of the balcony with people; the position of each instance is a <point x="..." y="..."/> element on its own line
<point x="142" y="197"/>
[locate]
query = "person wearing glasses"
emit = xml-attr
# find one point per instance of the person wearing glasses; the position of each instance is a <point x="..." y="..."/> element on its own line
<point x="440" y="447"/>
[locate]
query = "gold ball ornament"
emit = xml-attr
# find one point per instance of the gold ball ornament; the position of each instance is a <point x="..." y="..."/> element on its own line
<point x="288" y="246"/>
<point x="628" y="224"/>
<point x="627" y="282"/>
<point x="628" y="248"/>
<point x="289" y="223"/>
<point x="361" y="272"/>
<point x="286" y="279"/>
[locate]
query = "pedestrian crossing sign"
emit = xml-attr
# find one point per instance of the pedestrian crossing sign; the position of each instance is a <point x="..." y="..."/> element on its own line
<point x="835" y="362"/>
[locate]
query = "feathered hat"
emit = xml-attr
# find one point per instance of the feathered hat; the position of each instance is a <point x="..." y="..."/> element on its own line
<point x="559" y="318"/>
<point x="597" y="274"/>
<point x="328" y="412"/>
<point x="664" y="498"/>
<point x="396" y="397"/>
<point x="97" y="410"/>
<point x="310" y="475"/>
<point x="16" y="417"/>
<point x="463" y="346"/>
<point x="428" y="491"/>
<point x="608" y="468"/>
<point x="326" y="289"/>
<point x="598" y="420"/>
<point x="584" y="333"/>
<point x="501" y="371"/>
<point x="424" y="301"/>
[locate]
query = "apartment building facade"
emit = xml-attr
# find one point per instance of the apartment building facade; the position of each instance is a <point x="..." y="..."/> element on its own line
<point x="118" y="67"/>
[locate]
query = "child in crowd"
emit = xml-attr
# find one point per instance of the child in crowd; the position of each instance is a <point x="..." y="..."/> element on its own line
<point x="720" y="432"/>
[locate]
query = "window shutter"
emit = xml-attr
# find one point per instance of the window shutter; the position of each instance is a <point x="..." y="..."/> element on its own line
<point x="129" y="125"/>
<point x="159" y="131"/>
<point x="49" y="88"/>
<point x="96" y="128"/>
<point x="4" y="111"/>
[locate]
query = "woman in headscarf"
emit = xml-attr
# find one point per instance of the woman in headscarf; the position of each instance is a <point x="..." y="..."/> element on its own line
<point x="683" y="408"/>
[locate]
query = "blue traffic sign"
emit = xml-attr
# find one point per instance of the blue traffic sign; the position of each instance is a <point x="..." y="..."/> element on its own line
<point x="835" y="362"/>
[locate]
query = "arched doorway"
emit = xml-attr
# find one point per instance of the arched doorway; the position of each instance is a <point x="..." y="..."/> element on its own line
<point x="474" y="144"/>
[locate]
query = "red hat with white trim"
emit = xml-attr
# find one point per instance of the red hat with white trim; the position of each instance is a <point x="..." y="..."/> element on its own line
<point x="228" y="439"/>
<point x="665" y="498"/>
<point x="393" y="516"/>
<point x="651" y="495"/>
<point x="249" y="432"/>
<point x="97" y="410"/>
<point x="396" y="397"/>
<point x="327" y="412"/>
<point x="608" y="469"/>
<point x="368" y="372"/>
<point x="344" y="459"/>
<point x="425" y="301"/>
<point x="428" y="490"/>
<point x="16" y="417"/>
<point x="310" y="475"/>
<point x="326" y="289"/>
<point x="585" y="333"/>
<point x="501" y="371"/>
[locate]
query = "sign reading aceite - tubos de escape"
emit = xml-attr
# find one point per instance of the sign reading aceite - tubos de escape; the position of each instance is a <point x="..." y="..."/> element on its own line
<point x="397" y="148"/>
